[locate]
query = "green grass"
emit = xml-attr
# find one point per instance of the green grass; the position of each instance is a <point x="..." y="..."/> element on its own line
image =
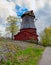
<point x="28" y="56"/>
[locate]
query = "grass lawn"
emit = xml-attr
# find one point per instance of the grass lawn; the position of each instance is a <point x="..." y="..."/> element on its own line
<point x="29" y="56"/>
<point x="17" y="56"/>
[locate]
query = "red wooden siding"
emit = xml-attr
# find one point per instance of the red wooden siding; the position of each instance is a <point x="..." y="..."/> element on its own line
<point x="26" y="34"/>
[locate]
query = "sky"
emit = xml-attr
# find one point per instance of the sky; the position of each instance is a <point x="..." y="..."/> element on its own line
<point x="41" y="8"/>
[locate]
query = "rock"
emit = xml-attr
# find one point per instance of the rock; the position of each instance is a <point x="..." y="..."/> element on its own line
<point x="2" y="57"/>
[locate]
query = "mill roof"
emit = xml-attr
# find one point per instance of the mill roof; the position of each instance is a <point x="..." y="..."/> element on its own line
<point x="30" y="13"/>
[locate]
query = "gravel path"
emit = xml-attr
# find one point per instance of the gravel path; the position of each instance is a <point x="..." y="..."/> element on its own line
<point x="46" y="57"/>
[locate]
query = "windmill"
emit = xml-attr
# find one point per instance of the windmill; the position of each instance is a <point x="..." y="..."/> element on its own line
<point x="28" y="29"/>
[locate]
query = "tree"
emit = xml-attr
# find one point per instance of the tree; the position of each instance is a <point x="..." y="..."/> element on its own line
<point x="12" y="25"/>
<point x="45" y="36"/>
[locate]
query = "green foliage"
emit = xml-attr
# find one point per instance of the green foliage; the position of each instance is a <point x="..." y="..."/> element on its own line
<point x="8" y="63"/>
<point x="29" y="56"/>
<point x="17" y="56"/>
<point x="45" y="37"/>
<point x="12" y="25"/>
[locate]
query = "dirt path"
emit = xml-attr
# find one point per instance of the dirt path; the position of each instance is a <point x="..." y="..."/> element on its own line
<point x="46" y="57"/>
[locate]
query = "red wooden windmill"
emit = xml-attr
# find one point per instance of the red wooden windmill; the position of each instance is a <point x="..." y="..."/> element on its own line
<point x="27" y="30"/>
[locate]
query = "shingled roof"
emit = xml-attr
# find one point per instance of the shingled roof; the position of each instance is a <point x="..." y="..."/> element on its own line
<point x="30" y="13"/>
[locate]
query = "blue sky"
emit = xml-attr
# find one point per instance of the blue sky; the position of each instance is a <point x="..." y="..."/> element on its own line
<point x="41" y="8"/>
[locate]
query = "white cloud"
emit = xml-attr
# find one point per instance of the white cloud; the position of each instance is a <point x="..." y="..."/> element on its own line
<point x="44" y="18"/>
<point x="2" y="30"/>
<point x="33" y="4"/>
<point x="30" y="4"/>
<point x="49" y="2"/>
<point x="6" y="9"/>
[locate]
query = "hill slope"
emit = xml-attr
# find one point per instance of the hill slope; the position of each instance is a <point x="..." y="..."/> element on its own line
<point x="19" y="53"/>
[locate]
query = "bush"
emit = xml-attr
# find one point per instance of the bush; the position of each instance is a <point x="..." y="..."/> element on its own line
<point x="45" y="37"/>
